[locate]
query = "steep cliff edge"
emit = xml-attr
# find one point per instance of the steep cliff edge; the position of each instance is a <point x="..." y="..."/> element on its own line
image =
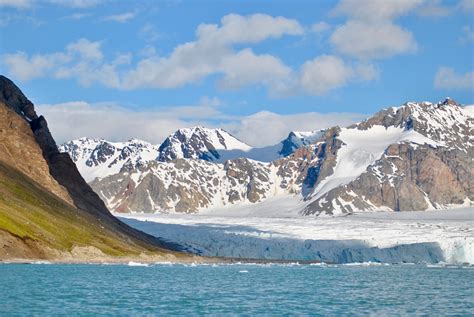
<point x="47" y="210"/>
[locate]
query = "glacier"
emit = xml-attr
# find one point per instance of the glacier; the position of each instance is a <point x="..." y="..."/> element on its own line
<point x="389" y="237"/>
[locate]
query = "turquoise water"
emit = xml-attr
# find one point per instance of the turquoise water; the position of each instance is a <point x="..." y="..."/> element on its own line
<point x="235" y="290"/>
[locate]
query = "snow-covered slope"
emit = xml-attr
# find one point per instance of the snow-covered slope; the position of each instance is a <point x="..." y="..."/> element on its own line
<point x="200" y="143"/>
<point x="101" y="158"/>
<point x="217" y="145"/>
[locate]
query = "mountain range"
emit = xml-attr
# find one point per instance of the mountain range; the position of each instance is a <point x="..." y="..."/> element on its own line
<point x="414" y="157"/>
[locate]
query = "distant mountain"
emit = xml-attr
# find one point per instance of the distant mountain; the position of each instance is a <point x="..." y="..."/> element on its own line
<point x="100" y="158"/>
<point x="414" y="157"/>
<point x="47" y="210"/>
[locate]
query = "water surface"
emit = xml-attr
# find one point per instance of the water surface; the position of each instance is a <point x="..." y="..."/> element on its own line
<point x="27" y="289"/>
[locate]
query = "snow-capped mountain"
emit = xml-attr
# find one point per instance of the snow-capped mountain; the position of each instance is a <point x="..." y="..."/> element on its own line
<point x="101" y="158"/>
<point x="200" y="143"/>
<point x="414" y="157"/>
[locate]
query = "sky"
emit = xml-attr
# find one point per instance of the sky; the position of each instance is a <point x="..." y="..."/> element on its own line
<point x="142" y="69"/>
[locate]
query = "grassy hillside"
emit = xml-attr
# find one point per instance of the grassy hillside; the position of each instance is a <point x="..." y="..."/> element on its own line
<point x="33" y="221"/>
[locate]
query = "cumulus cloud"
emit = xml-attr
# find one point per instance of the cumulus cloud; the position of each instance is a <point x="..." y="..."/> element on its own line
<point x="372" y="40"/>
<point x="255" y="28"/>
<point x="324" y="73"/>
<point x="155" y="125"/>
<point x="123" y="123"/>
<point x="82" y="60"/>
<point x="370" y="31"/>
<point x="448" y="79"/>
<point x="25" y="68"/>
<point x="375" y="10"/>
<point x="328" y="72"/>
<point x="212" y="53"/>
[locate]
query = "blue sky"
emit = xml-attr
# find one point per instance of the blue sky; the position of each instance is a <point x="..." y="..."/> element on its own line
<point x="233" y="64"/>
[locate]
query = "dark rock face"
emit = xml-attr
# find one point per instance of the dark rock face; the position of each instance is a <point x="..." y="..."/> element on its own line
<point x="61" y="166"/>
<point x="11" y="96"/>
<point x="72" y="187"/>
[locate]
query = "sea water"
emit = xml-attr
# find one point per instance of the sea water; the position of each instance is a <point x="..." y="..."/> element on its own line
<point x="224" y="290"/>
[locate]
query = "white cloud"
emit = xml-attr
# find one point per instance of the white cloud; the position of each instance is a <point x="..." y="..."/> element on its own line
<point x="320" y="27"/>
<point x="82" y="60"/>
<point x="25" y="68"/>
<point x="328" y="72"/>
<point x="323" y="74"/>
<point x="375" y="10"/>
<point x="246" y="68"/>
<point x="19" y="4"/>
<point x="447" y="78"/>
<point x="370" y="31"/>
<point x="122" y="123"/>
<point x="254" y="28"/>
<point x="212" y="53"/>
<point x="86" y="49"/>
<point x="121" y="18"/>
<point x="372" y="40"/>
<point x="155" y="125"/>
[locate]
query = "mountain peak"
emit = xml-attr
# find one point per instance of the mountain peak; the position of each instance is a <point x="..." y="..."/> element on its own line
<point x="199" y="142"/>
<point x="12" y="96"/>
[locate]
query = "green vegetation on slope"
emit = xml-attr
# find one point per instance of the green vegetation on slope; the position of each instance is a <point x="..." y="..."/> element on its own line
<point x="31" y="213"/>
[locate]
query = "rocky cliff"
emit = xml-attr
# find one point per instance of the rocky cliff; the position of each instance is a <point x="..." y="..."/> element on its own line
<point x="46" y="207"/>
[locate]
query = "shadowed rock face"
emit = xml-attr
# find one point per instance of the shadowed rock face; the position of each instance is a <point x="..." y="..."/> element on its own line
<point x="28" y="146"/>
<point x="61" y="167"/>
